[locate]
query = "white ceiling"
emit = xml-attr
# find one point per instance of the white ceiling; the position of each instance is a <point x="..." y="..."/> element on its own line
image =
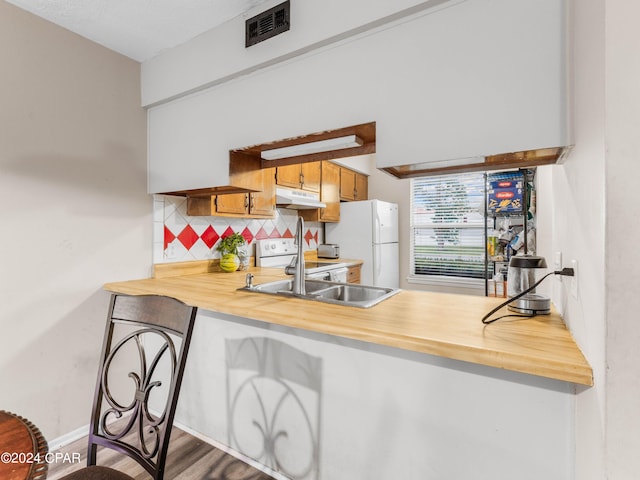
<point x="139" y="29"/>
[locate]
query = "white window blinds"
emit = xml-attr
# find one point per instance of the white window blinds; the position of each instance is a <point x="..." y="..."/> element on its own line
<point x="447" y="223"/>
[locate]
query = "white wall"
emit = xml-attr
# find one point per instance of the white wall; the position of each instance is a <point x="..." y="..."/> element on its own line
<point x="579" y="231"/>
<point x="622" y="276"/>
<point x="74" y="212"/>
<point x="594" y="214"/>
<point x="449" y="96"/>
<point x="219" y="55"/>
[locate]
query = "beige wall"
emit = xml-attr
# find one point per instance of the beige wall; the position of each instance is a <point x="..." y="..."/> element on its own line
<point x="74" y="212"/>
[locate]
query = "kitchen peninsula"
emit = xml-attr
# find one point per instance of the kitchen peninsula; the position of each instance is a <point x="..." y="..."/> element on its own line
<point x="408" y="387"/>
<point x="446" y="325"/>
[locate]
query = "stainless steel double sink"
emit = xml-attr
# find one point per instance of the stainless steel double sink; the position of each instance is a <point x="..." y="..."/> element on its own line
<point x="349" y="294"/>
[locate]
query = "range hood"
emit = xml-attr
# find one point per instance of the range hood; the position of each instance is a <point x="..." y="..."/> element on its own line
<point x="298" y="199"/>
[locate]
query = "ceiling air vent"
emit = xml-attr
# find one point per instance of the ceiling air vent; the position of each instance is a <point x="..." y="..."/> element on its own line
<point x="267" y="24"/>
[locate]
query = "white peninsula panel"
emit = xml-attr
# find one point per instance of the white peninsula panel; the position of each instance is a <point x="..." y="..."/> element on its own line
<point x="333" y="408"/>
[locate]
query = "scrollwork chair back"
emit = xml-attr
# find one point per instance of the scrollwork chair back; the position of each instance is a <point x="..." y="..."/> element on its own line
<point x="122" y="418"/>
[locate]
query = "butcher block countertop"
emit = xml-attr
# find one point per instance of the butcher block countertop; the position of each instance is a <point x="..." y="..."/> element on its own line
<point x="440" y="324"/>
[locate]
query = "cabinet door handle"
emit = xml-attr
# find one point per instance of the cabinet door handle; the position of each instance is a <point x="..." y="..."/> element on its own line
<point x="246" y="200"/>
<point x="301" y="179"/>
<point x="251" y="201"/>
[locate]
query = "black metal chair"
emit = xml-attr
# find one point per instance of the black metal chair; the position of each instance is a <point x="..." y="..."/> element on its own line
<point x="136" y="418"/>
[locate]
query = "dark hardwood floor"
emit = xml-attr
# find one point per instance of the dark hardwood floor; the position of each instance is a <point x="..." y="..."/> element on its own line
<point x="189" y="458"/>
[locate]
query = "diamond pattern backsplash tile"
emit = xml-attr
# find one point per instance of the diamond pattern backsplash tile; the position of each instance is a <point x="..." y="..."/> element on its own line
<point x="188" y="237"/>
<point x="210" y="237"/>
<point x="185" y="238"/>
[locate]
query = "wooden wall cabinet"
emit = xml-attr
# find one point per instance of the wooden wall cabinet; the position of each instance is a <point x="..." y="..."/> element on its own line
<point x="362" y="187"/>
<point x="329" y="194"/>
<point x="353" y="185"/>
<point x="305" y="176"/>
<point x="261" y="204"/>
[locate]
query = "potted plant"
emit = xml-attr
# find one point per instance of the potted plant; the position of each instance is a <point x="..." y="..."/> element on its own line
<point x="228" y="248"/>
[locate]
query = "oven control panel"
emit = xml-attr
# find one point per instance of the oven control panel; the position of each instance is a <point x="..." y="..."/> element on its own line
<point x="273" y="247"/>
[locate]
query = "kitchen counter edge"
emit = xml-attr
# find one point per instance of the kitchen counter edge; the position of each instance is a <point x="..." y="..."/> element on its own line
<point x="446" y="325"/>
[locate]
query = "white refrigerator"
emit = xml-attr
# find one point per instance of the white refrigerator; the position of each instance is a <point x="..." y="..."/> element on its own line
<point x="368" y="230"/>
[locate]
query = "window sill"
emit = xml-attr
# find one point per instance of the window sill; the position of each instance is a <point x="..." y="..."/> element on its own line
<point x="468" y="285"/>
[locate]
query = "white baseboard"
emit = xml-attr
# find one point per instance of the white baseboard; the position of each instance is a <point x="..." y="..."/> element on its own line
<point x="68" y="438"/>
<point x="83" y="431"/>
<point x="232" y="452"/>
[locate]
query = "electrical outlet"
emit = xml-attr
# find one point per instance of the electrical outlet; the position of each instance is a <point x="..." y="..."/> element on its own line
<point x="574" y="279"/>
<point x="170" y="252"/>
<point x="557" y="265"/>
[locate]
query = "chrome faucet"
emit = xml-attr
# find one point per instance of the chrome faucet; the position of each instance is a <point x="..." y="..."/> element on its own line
<point x="298" y="271"/>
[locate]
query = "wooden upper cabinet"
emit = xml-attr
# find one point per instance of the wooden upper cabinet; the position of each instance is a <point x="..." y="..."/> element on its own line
<point x="288" y="176"/>
<point x="329" y="194"/>
<point x="353" y="185"/>
<point x="362" y="187"/>
<point x="305" y="176"/>
<point x="232" y="203"/>
<point x="311" y="176"/>
<point x="263" y="203"/>
<point x="347" y="184"/>
<point x="260" y="203"/>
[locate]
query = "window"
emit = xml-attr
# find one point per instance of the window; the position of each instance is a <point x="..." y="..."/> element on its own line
<point x="448" y="226"/>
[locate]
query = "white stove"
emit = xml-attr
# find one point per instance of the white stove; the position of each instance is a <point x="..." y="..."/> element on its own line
<point x="280" y="252"/>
